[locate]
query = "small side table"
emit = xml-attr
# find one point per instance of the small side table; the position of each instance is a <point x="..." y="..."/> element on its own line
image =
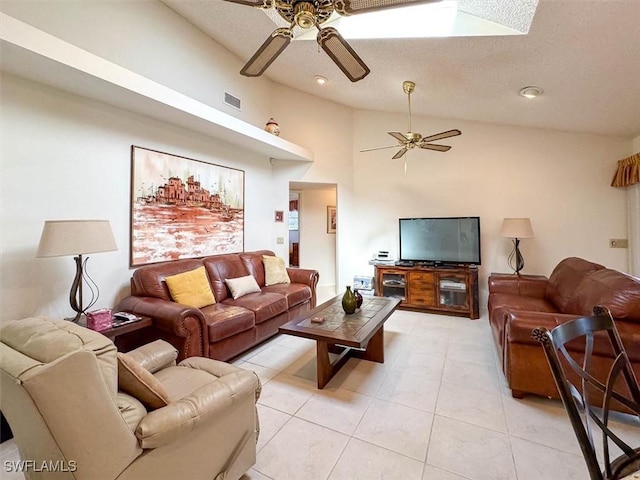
<point x="125" y="343"/>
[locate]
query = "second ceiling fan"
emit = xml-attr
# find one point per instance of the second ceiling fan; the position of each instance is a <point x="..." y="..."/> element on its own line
<point x="307" y="14"/>
<point x="410" y="140"/>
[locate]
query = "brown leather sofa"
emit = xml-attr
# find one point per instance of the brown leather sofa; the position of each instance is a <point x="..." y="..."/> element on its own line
<point x="229" y="327"/>
<point x="520" y="303"/>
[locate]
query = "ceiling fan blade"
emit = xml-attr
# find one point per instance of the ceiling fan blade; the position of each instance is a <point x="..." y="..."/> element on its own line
<point x="268" y="52"/>
<point x="342" y="54"/>
<point x="379" y="148"/>
<point x="399" y="136"/>
<point x="433" y="146"/>
<point x="351" y="7"/>
<point x="441" y="135"/>
<point x="254" y="3"/>
<point x="400" y="153"/>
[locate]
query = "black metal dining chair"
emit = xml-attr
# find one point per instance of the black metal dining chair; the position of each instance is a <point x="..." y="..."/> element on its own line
<point x="580" y="389"/>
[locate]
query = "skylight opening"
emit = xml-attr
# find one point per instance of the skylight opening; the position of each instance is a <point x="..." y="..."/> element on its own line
<point x="429" y="20"/>
<point x="440" y="19"/>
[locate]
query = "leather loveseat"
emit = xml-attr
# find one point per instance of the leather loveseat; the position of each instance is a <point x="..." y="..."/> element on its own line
<point x="520" y="303"/>
<point x="229" y="326"/>
<point x="80" y="410"/>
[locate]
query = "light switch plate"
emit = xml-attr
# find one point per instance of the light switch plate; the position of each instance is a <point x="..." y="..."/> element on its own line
<point x="280" y="240"/>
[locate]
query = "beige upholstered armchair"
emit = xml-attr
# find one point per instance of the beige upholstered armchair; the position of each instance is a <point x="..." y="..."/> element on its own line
<point x="63" y="393"/>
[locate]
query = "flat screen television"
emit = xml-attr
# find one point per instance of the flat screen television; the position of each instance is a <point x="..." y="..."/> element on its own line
<point x="440" y="240"/>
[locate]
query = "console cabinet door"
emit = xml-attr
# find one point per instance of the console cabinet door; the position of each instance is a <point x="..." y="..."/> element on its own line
<point x="453" y="291"/>
<point x="422" y="289"/>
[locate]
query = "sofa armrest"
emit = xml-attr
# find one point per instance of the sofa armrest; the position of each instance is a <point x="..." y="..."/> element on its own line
<point x="303" y="275"/>
<point x="524" y="285"/>
<point x="174" y="319"/>
<point x="521" y="323"/>
<point x="175" y="421"/>
<point x="155" y="355"/>
<point x="306" y="277"/>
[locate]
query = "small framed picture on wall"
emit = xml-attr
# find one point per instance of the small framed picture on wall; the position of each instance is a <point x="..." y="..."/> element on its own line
<point x="331" y="220"/>
<point x="279" y="216"/>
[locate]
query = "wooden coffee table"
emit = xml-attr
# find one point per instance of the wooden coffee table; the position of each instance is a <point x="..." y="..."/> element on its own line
<point x="359" y="335"/>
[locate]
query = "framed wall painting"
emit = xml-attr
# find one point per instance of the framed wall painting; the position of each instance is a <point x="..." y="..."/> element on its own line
<point x="331" y="220"/>
<point x="183" y="208"/>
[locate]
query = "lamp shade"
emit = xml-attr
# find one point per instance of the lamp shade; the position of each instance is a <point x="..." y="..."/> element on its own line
<point x="516" y="228"/>
<point x="75" y="237"/>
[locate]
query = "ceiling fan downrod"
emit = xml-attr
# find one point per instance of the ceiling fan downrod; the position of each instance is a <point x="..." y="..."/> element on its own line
<point x="408" y="87"/>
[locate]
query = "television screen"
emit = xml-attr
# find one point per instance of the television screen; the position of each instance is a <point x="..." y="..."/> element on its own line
<point x="449" y="240"/>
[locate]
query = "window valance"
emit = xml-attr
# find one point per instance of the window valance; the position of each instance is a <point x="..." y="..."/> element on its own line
<point x="628" y="172"/>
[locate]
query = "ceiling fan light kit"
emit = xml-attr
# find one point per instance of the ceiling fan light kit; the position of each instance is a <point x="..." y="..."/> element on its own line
<point x="307" y="14"/>
<point x="410" y="140"/>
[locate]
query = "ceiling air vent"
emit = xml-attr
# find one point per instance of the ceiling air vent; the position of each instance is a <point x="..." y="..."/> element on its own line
<point x="232" y="101"/>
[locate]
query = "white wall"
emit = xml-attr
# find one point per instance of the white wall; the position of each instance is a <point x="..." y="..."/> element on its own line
<point x="559" y="180"/>
<point x="67" y="157"/>
<point x="152" y="40"/>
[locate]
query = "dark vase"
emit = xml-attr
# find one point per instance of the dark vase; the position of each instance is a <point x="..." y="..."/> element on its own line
<point x="358" y="298"/>
<point x="349" y="302"/>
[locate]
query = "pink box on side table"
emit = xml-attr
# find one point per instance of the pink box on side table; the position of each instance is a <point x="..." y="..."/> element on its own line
<point x="99" y="320"/>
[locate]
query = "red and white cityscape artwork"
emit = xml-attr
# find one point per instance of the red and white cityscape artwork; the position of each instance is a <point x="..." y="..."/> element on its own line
<point x="183" y="208"/>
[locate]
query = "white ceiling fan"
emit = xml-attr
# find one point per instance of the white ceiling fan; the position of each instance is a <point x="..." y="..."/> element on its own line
<point x="410" y="140"/>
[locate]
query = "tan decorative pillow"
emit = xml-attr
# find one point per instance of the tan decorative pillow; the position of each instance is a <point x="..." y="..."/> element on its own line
<point x="241" y="286"/>
<point x="275" y="271"/>
<point x="191" y="288"/>
<point x="140" y="383"/>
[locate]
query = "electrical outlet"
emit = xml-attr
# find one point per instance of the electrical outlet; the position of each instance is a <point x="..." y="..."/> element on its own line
<point x="280" y="240"/>
<point x="618" y="243"/>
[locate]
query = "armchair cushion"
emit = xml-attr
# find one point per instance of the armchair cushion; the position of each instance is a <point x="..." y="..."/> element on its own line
<point x="191" y="288"/>
<point x="242" y="286"/>
<point x="138" y="382"/>
<point x="131" y="409"/>
<point x="275" y="271"/>
<point x="182" y="416"/>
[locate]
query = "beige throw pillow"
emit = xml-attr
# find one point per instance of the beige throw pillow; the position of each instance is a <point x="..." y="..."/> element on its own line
<point x="275" y="271"/>
<point x="138" y="382"/>
<point x="191" y="288"/>
<point x="241" y="286"/>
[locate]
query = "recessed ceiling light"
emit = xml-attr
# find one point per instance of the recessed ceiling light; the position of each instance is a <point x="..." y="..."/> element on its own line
<point x="320" y="80"/>
<point x="531" y="92"/>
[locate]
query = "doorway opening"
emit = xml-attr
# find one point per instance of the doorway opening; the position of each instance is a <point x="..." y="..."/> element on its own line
<point x="294" y="229"/>
<point x="312" y="232"/>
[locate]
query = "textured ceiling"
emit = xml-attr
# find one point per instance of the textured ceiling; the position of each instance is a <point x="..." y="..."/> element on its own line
<point x="585" y="55"/>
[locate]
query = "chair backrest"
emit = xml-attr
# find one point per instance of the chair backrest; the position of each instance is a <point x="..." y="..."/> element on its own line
<point x="569" y="350"/>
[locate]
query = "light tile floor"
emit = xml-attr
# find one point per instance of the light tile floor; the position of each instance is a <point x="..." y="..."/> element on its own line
<point x="437" y="409"/>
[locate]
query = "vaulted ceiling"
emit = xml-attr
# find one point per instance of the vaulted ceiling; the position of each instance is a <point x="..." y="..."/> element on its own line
<point x="585" y="54"/>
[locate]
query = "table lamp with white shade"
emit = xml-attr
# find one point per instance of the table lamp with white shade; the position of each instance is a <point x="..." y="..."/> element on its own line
<point x="77" y="237"/>
<point x="516" y="228"/>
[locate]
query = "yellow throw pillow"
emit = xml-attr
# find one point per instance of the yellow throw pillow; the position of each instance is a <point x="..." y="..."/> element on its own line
<point x="138" y="382"/>
<point x="275" y="270"/>
<point x="191" y="288"/>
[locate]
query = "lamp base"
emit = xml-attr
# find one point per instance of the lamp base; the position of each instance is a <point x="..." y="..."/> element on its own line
<point x="79" y="318"/>
<point x="516" y="257"/>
